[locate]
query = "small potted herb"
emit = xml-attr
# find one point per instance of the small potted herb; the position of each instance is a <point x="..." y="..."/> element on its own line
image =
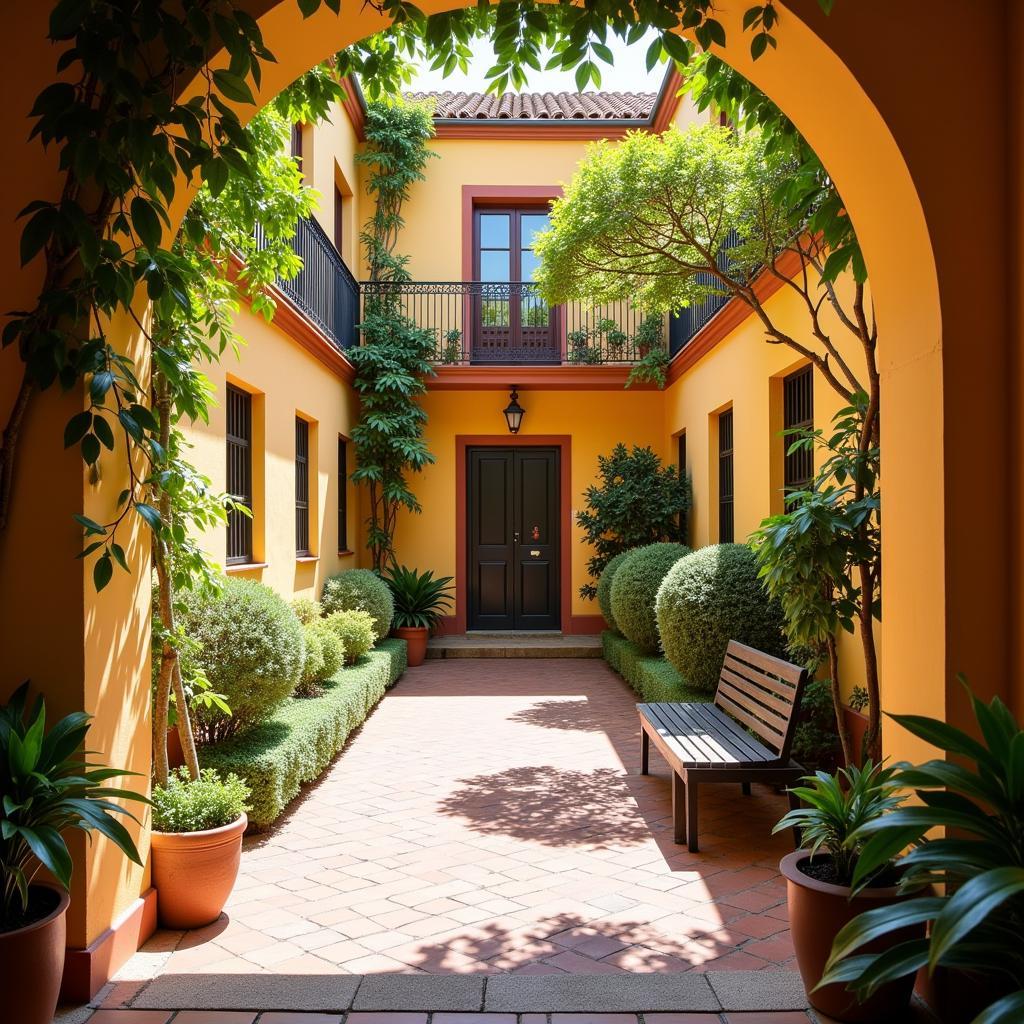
<point x="197" y="845"/>
<point x="452" y="351"/>
<point x="419" y="602"/>
<point x="820" y="883"/>
<point x="48" y="788"/>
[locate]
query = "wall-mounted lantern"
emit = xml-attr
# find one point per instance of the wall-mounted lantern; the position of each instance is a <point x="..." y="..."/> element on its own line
<point x="513" y="412"/>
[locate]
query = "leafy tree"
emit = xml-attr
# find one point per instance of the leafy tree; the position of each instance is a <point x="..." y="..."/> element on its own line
<point x="393" y="362"/>
<point x="636" y="502"/>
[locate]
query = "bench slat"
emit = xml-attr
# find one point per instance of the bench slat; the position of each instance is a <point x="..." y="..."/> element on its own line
<point x="772" y="666"/>
<point x="715" y="748"/>
<point x="752" y="705"/>
<point x="755" y="690"/>
<point x="755" y="750"/>
<point x="701" y="735"/>
<point x="766" y="733"/>
<point x="692" y="750"/>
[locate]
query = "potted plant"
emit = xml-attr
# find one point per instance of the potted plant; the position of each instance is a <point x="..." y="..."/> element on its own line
<point x="419" y="601"/>
<point x="966" y="885"/>
<point x="647" y="335"/>
<point x="452" y="351"/>
<point x="197" y="845"/>
<point x="821" y="879"/>
<point x="48" y="788"/>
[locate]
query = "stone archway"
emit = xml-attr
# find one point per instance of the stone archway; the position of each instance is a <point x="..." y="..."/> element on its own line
<point x="862" y="86"/>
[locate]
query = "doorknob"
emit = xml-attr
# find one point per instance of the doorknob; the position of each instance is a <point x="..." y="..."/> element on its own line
<point x="515" y="536"/>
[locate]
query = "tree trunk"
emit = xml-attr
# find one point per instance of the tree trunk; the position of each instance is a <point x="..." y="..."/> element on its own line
<point x="837" y="700"/>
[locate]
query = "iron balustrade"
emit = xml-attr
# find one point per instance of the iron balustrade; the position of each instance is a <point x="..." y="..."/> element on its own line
<point x="685" y="324"/>
<point x="324" y="289"/>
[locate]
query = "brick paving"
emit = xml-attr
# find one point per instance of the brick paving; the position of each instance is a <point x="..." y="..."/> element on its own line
<point x="292" y="1017"/>
<point x="490" y="818"/>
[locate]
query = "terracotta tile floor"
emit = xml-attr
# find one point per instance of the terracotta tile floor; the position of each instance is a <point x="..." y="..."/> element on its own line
<point x="489" y="817"/>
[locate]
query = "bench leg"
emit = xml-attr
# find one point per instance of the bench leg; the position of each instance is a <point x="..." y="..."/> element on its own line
<point x="794" y="803"/>
<point x="745" y="788"/>
<point x="691" y="816"/>
<point x="645" y="750"/>
<point x="679" y="807"/>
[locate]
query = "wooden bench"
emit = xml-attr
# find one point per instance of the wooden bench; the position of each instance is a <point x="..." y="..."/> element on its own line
<point x="744" y="736"/>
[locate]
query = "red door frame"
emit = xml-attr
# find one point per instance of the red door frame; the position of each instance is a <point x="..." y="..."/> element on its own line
<point x="563" y="442"/>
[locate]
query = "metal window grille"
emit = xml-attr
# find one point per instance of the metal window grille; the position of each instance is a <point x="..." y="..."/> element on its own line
<point x="239" y="473"/>
<point x="798" y="413"/>
<point x="681" y="469"/>
<point x="301" y="486"/>
<point x="725" y="478"/>
<point x="296" y="140"/>
<point x="342" y="494"/>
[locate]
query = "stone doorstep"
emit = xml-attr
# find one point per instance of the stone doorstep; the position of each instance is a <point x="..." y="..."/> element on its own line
<point x="514" y="645"/>
<point x="722" y="991"/>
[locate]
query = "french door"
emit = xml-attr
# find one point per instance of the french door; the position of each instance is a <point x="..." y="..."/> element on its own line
<point x="513" y="538"/>
<point x="513" y="324"/>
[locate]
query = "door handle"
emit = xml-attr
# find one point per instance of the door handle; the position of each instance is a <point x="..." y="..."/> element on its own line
<point x="515" y="536"/>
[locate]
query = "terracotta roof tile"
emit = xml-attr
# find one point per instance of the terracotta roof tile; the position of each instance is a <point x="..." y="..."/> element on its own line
<point x="542" y="106"/>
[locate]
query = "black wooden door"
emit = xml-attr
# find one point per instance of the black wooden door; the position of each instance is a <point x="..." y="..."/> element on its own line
<point x="513" y="538"/>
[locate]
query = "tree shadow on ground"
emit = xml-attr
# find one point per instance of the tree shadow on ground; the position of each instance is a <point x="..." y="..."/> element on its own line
<point x="570" y="715"/>
<point x="554" y="806"/>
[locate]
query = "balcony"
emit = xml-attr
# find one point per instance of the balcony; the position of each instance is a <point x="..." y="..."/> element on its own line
<point x="480" y="323"/>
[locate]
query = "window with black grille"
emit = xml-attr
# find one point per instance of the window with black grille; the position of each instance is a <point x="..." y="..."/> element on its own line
<point x="798" y="414"/>
<point x="296" y="140"/>
<point x="339" y="220"/>
<point x="301" y="487"/>
<point x="342" y="494"/>
<point x="725" y="478"/>
<point x="239" y="475"/>
<point x="681" y="469"/>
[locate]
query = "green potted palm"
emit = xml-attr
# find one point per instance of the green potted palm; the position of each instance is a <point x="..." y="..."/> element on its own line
<point x="961" y="857"/>
<point x="48" y="787"/>
<point x="419" y="601"/>
<point x="825" y="892"/>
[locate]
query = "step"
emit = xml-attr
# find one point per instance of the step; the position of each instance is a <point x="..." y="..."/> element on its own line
<point x="514" y="645"/>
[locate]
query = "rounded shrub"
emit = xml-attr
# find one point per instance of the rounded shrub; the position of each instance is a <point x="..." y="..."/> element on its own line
<point x="360" y="590"/>
<point x="709" y="598"/>
<point x="332" y="648"/>
<point x="604" y="588"/>
<point x="313" y="667"/>
<point x="634" y="587"/>
<point x="251" y="648"/>
<point x="307" y="610"/>
<point x="354" y="628"/>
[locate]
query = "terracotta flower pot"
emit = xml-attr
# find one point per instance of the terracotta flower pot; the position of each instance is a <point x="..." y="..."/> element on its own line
<point x="817" y="913"/>
<point x="194" y="873"/>
<point x="415" y="638"/>
<point x="32" y="962"/>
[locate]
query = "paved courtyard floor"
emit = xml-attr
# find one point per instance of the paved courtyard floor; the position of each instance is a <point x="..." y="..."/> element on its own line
<point x="490" y="818"/>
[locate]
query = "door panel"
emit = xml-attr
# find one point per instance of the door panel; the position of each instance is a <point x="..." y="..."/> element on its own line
<point x="513" y="538"/>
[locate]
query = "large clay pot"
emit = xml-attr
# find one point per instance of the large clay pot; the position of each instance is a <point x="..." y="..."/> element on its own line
<point x="194" y="873"/>
<point x="32" y="962"/>
<point x="817" y="913"/>
<point x="415" y="638"/>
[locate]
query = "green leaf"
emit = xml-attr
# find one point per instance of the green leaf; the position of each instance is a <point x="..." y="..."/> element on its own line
<point x="874" y="923"/>
<point x="102" y="572"/>
<point x="233" y="87"/>
<point x="45" y="842"/>
<point x="146" y="223"/>
<point x="1008" y="1010"/>
<point x="76" y="428"/>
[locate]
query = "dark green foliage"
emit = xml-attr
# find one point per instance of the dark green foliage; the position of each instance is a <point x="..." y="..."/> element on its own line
<point x="252" y="650"/>
<point x="360" y="590"/>
<point x="313" y="666"/>
<point x="195" y="805"/>
<point x="636" y="501"/>
<point x="966" y="863"/>
<point x="635" y="587"/>
<point x="815" y="742"/>
<point x="393" y="361"/>
<point x="303" y="737"/>
<point x="709" y="598"/>
<point x="604" y="587"/>
<point x="653" y="678"/>
<point x="419" y="598"/>
<point x="49" y="789"/>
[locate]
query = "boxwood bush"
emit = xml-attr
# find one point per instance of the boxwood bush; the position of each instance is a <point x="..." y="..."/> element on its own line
<point x="634" y="588"/>
<point x="709" y="598"/>
<point x="313" y="667"/>
<point x="360" y="590"/>
<point x="252" y="649"/>
<point x="651" y="676"/>
<point x="604" y="587"/>
<point x="354" y="632"/>
<point x="296" y="746"/>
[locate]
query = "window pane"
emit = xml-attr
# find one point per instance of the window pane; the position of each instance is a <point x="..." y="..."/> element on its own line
<point x="494" y="312"/>
<point x="533" y="311"/>
<point x="494" y="230"/>
<point x="528" y="265"/>
<point x="494" y="266"/>
<point x="529" y="225"/>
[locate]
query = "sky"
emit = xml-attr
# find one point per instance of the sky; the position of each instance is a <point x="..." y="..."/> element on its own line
<point x="627" y="74"/>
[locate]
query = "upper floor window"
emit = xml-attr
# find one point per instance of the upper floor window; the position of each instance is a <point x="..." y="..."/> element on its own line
<point x="798" y="414"/>
<point x="295" y="143"/>
<point x="239" y="473"/>
<point x="339" y="221"/>
<point x="301" y="486"/>
<point x="725" y="478"/>
<point x="342" y="494"/>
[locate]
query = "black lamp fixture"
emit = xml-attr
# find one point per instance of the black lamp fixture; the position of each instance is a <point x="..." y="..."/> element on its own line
<point x="513" y="412"/>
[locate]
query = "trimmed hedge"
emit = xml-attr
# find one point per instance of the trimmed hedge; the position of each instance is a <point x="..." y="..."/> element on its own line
<point x="651" y="677"/>
<point x="299" y="742"/>
<point x="709" y="598"/>
<point x="604" y="587"/>
<point x="359" y="590"/>
<point x="634" y="588"/>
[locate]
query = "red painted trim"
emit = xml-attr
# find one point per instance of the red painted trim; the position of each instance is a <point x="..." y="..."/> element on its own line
<point x="87" y="970"/>
<point x="561" y="441"/>
<point x="585" y="625"/>
<point x="730" y="316"/>
<point x="668" y="102"/>
<point x="493" y="128"/>
<point x="352" y="107"/>
<point x="537" y="378"/>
